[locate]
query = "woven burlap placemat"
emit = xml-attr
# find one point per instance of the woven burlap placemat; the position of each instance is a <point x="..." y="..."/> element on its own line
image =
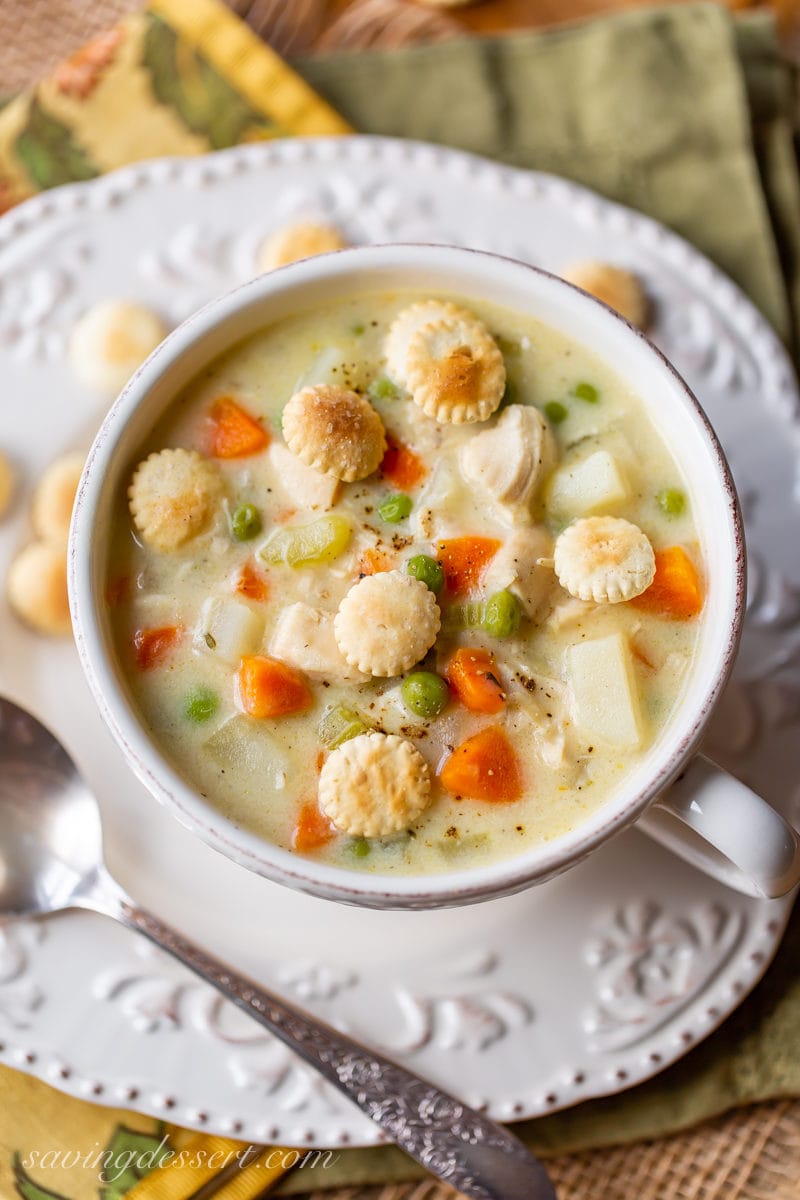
<point x="752" y="1154"/>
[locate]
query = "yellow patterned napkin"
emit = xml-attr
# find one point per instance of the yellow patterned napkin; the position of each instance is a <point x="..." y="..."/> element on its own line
<point x="181" y="77"/>
<point x="77" y="1151"/>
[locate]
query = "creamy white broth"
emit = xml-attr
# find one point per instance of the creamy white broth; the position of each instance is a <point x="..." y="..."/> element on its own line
<point x="259" y="773"/>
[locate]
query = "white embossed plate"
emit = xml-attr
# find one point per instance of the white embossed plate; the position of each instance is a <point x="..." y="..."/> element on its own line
<point x="578" y="988"/>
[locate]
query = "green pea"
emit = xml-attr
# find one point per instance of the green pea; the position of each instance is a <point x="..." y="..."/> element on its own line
<point x="586" y="391"/>
<point x="359" y="848"/>
<point x="427" y="570"/>
<point x="201" y="704"/>
<point x="395" y="508"/>
<point x="246" y="522"/>
<point x="671" y="501"/>
<point x="501" y="614"/>
<point x="359" y="329"/>
<point x="556" y="412"/>
<point x="382" y="389"/>
<point x="424" y="693"/>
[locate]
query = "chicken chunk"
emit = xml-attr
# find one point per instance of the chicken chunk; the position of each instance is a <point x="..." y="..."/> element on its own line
<point x="549" y="737"/>
<point x="304" y="486"/>
<point x="511" y="460"/>
<point x="516" y="567"/>
<point x="304" y="638"/>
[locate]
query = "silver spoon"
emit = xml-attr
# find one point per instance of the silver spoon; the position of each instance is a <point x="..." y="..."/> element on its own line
<point x="51" y="859"/>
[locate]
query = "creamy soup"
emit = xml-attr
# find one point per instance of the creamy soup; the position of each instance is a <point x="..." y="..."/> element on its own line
<point x="405" y="585"/>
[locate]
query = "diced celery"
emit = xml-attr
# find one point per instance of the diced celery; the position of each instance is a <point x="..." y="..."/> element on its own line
<point x="463" y="616"/>
<point x="201" y="704"/>
<point x="338" y="724"/>
<point x="454" y="846"/>
<point x="382" y="389"/>
<point x="499" y="616"/>
<point x="306" y="545"/>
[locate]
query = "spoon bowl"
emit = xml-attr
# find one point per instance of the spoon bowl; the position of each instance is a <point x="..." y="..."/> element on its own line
<point x="51" y="841"/>
<point x="51" y="858"/>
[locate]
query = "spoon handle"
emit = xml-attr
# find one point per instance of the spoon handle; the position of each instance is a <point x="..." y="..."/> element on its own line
<point x="460" y="1146"/>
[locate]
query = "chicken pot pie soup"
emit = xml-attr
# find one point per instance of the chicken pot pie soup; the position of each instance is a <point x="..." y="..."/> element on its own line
<point x="406" y="584"/>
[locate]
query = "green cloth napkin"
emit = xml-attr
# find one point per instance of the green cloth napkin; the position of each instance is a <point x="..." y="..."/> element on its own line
<point x="685" y="114"/>
<point x="660" y="109"/>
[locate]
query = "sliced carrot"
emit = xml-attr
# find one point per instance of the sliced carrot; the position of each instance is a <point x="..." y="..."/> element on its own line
<point x="251" y="583"/>
<point x="473" y="677"/>
<point x="641" y="655"/>
<point x="232" y="432"/>
<point x="118" y="590"/>
<point x="464" y="560"/>
<point x="401" y="466"/>
<point x="270" y="688"/>
<point x="484" y="767"/>
<point x="312" y="830"/>
<point x="373" y="561"/>
<point x="152" y="646"/>
<point x="676" y="590"/>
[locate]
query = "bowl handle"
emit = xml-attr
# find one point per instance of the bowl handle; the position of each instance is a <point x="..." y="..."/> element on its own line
<point x="722" y="827"/>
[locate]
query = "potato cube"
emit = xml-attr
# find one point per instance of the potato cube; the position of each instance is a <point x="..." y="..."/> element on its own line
<point x="244" y="745"/>
<point x="228" y="628"/>
<point x="604" y="690"/>
<point x="586" y="486"/>
<point x="301" y="484"/>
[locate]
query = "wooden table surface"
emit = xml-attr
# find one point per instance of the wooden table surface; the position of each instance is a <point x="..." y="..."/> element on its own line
<point x="487" y="16"/>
